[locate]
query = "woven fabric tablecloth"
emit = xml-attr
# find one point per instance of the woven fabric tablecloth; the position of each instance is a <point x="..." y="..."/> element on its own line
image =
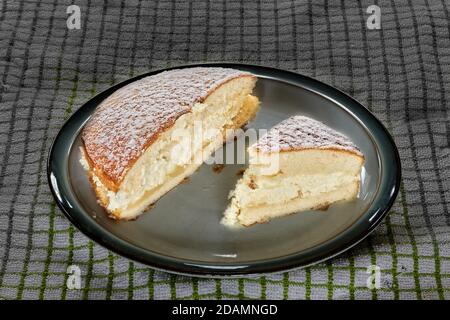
<point x="401" y="72"/>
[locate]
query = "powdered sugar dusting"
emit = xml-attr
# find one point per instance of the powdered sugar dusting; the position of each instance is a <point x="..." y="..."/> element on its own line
<point x="126" y="122"/>
<point x="299" y="132"/>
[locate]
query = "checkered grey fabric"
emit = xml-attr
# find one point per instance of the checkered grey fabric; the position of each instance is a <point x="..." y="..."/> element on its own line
<point x="401" y="72"/>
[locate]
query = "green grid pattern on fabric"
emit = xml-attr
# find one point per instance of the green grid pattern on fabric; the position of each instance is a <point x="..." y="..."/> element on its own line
<point x="400" y="72"/>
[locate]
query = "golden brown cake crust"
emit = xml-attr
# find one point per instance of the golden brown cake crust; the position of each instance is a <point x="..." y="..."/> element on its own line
<point x="126" y="123"/>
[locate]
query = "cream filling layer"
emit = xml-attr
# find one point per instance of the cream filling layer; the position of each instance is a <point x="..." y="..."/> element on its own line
<point x="279" y="190"/>
<point x="271" y="190"/>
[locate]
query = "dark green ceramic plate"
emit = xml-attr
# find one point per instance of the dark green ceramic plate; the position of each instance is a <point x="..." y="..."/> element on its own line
<point x="182" y="233"/>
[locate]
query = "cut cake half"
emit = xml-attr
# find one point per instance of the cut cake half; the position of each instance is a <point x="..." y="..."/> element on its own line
<point x="149" y="135"/>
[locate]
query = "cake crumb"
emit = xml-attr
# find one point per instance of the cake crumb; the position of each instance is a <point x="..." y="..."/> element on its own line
<point x="252" y="184"/>
<point x="185" y="180"/>
<point x="322" y="207"/>
<point x="217" y="168"/>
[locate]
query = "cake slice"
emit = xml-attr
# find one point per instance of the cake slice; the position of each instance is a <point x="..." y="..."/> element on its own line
<point x="300" y="164"/>
<point x="151" y="134"/>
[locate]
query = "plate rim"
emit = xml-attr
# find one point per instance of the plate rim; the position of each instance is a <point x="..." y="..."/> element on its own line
<point x="347" y="238"/>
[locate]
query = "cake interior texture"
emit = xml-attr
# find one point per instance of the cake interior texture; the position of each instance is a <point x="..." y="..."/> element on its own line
<point x="303" y="179"/>
<point x="179" y="150"/>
